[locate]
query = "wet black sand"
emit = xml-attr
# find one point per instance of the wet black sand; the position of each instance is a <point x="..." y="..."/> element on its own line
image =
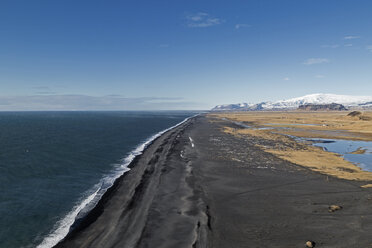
<point x="223" y="191"/>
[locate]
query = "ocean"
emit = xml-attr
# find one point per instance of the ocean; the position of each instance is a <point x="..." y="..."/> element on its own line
<point x="54" y="166"/>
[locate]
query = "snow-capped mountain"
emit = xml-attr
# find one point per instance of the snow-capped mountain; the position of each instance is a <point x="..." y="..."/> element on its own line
<point x="233" y="106"/>
<point x="294" y="103"/>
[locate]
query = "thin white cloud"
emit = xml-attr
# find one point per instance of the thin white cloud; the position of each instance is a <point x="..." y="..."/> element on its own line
<point x="351" y="37"/>
<point x="43" y="90"/>
<point x="331" y="46"/>
<point x="348" y="45"/>
<point x="202" y="20"/>
<point x="46" y="93"/>
<point x="369" y="48"/>
<point x="286" y="79"/>
<point x="83" y="102"/>
<point x="242" y="25"/>
<point x="314" y="61"/>
<point x="40" y="87"/>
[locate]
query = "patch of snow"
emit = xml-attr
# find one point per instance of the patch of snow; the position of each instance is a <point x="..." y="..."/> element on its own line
<point x="294" y="103"/>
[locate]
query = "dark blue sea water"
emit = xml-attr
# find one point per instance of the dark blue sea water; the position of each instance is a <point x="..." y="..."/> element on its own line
<point x="53" y="163"/>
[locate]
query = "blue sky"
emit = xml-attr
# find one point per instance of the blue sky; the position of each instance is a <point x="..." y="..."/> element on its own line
<point x="132" y="55"/>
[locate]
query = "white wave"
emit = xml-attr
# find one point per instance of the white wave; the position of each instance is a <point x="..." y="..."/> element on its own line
<point x="63" y="226"/>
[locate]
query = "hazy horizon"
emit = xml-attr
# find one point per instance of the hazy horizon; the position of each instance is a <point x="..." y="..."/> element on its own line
<point x="184" y="55"/>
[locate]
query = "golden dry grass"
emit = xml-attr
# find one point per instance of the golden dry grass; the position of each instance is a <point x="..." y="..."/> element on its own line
<point x="324" y="162"/>
<point x="339" y="123"/>
<point x="334" y="208"/>
<point x="359" y="151"/>
<point x="314" y="158"/>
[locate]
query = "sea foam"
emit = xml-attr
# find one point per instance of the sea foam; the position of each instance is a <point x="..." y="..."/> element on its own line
<point x="63" y="226"/>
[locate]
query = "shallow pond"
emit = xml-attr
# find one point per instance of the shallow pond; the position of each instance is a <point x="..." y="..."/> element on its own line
<point x="314" y="132"/>
<point x="357" y="152"/>
<point x="292" y="124"/>
<point x="348" y="148"/>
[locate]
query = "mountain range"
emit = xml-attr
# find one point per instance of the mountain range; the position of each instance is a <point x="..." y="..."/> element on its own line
<point x="352" y="102"/>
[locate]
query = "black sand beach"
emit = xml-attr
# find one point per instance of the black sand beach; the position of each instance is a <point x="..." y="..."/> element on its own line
<point x="197" y="186"/>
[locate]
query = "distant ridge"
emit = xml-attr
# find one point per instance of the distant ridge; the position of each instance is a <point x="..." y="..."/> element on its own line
<point x="322" y="107"/>
<point x="350" y="102"/>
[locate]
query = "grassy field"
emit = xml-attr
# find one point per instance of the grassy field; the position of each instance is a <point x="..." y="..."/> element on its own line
<point x="276" y="126"/>
<point x="310" y="124"/>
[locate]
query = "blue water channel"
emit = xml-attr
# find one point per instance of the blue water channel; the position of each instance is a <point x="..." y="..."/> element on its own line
<point x="346" y="147"/>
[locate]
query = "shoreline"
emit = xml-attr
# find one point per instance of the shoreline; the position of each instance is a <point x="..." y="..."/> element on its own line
<point x="98" y="209"/>
<point x="52" y="239"/>
<point x="196" y="186"/>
